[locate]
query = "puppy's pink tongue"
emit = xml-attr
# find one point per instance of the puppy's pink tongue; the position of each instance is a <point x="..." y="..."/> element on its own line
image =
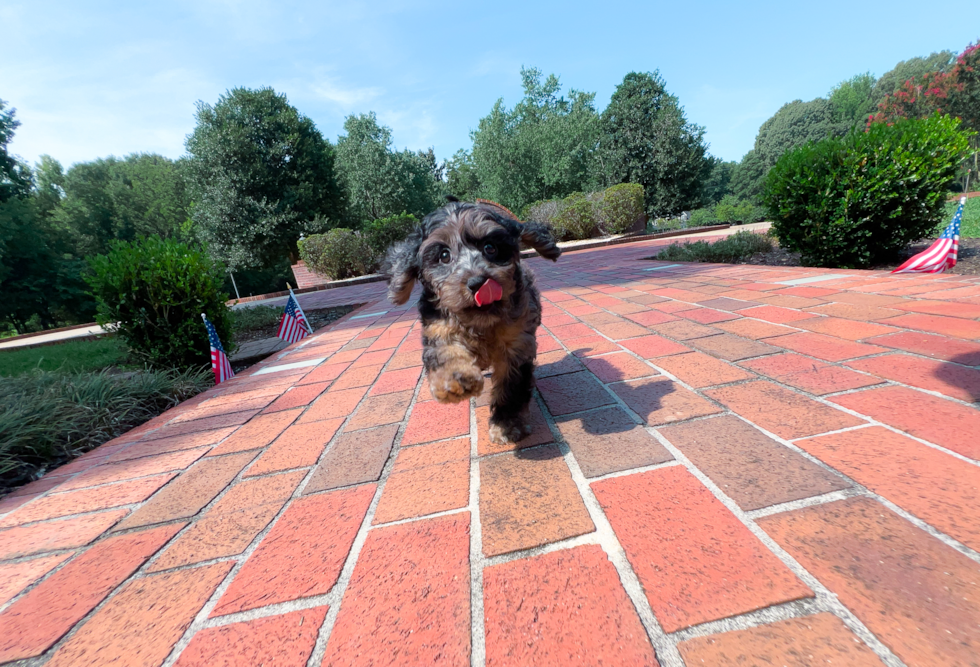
<point x="489" y="292"/>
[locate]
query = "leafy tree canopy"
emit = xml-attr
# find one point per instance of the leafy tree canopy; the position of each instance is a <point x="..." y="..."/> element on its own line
<point x="852" y="101"/>
<point x="646" y="139"/>
<point x="379" y="181"/>
<point x="540" y="149"/>
<point x="262" y="174"/>
<point x="913" y="68"/>
<point x="14" y="176"/>
<point x="719" y="180"/>
<point x="115" y="199"/>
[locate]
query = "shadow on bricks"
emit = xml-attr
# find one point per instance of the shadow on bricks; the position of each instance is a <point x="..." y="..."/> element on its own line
<point x="967" y="379"/>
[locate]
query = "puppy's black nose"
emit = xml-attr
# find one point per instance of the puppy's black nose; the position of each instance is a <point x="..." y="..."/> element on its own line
<point x="475" y="283"/>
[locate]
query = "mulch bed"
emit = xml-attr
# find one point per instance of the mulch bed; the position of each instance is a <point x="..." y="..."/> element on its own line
<point x="967" y="263"/>
<point x="317" y="319"/>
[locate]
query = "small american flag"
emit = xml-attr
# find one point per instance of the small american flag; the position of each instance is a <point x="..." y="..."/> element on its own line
<point x="293" y="325"/>
<point x="219" y="360"/>
<point x="941" y="255"/>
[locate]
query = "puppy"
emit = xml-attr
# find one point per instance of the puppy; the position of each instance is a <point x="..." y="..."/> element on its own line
<point x="479" y="306"/>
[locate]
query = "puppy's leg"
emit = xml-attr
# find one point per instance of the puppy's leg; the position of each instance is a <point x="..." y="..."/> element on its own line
<point x="509" y="413"/>
<point x="454" y="374"/>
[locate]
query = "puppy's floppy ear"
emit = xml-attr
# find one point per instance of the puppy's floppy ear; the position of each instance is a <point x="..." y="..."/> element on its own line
<point x="539" y="237"/>
<point x="402" y="265"/>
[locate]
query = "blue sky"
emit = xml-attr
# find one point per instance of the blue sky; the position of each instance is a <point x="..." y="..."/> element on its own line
<point x="90" y="79"/>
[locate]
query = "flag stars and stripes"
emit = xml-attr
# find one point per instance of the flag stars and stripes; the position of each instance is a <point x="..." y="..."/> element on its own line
<point x="293" y="325"/>
<point x="941" y="255"/>
<point x="219" y="360"/>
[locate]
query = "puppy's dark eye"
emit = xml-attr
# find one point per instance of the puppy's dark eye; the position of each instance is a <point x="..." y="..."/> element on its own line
<point x="445" y="256"/>
<point x="490" y="250"/>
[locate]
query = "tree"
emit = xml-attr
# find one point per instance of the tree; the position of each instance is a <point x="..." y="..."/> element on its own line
<point x="718" y="183"/>
<point x="540" y="149"/>
<point x="116" y="199"/>
<point x="379" y="181"/>
<point x="461" y="177"/>
<point x="646" y="139"/>
<point x="748" y="177"/>
<point x="14" y="175"/>
<point x="852" y="101"/>
<point x="795" y="124"/>
<point x="913" y="68"/>
<point x="262" y="174"/>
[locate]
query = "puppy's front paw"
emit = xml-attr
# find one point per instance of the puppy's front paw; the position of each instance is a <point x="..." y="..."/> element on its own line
<point x="509" y="431"/>
<point x="455" y="384"/>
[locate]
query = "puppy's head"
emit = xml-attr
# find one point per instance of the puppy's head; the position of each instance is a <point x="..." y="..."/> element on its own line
<point x="457" y="249"/>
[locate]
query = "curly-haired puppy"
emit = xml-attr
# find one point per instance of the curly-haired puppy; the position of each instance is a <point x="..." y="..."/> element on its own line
<point x="479" y="306"/>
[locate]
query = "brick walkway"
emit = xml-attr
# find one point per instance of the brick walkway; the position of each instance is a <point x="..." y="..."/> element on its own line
<point x="731" y="465"/>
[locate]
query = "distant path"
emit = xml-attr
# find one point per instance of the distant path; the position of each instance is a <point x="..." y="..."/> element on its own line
<point x="327" y="298"/>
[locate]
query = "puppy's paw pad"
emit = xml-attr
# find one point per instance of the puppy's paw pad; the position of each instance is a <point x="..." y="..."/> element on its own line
<point x="455" y="386"/>
<point x="508" y="433"/>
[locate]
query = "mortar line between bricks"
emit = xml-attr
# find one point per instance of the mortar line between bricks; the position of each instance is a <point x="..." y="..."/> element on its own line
<point x="666" y="651"/>
<point x="812" y="501"/>
<point x="201" y="619"/>
<point x="632" y="471"/>
<point x="347" y="571"/>
<point x="767" y="615"/>
<point x="540" y="550"/>
<point x="822" y="593"/>
<point x="478" y="631"/>
<point x="60" y="566"/>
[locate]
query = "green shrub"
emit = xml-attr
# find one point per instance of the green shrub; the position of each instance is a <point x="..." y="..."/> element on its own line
<point x="153" y="292"/>
<point x="340" y="253"/>
<point x="575" y="218"/>
<point x="728" y="250"/>
<point x="731" y="210"/>
<point x="970" y="225"/>
<point x="385" y="232"/>
<point x="702" y="217"/>
<point x="619" y="207"/>
<point x="47" y="418"/>
<point x="861" y="199"/>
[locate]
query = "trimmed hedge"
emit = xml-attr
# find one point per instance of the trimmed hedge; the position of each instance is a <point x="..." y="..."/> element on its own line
<point x="860" y="199"/>
<point x="385" y="232"/>
<point x="728" y="250"/>
<point x="153" y="292"/>
<point x="584" y="216"/>
<point x="340" y="253"/>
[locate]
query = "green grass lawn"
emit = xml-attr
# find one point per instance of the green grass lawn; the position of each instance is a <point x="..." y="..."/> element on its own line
<point x="75" y="357"/>
<point x="970" y="227"/>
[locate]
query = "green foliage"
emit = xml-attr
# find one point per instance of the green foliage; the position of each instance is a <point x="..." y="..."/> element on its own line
<point x="749" y="176"/>
<point x="111" y="199"/>
<point x="463" y="182"/>
<point x="76" y="356"/>
<point x="540" y="149"/>
<point x="859" y="200"/>
<point x="384" y="232"/>
<point x="340" y="253"/>
<point x="728" y="250"/>
<point x="583" y="216"/>
<point x="646" y="139"/>
<point x="575" y="218"/>
<point x="913" y="68"/>
<point x="703" y="217"/>
<point x="618" y="208"/>
<point x="153" y="292"/>
<point x="378" y="180"/>
<point x="262" y="175"/>
<point x="15" y="178"/>
<point x="970" y="225"/>
<point x="47" y="418"/>
<point x="795" y="124"/>
<point x="852" y="101"/>
<point x="719" y="180"/>
<point x="731" y="209"/>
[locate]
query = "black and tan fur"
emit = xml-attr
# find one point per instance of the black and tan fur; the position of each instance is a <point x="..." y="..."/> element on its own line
<point x="452" y="253"/>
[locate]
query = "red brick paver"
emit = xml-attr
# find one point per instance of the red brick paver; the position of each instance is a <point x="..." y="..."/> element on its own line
<point x="708" y="444"/>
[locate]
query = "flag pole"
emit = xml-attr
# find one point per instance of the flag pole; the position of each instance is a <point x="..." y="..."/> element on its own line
<point x="309" y="328"/>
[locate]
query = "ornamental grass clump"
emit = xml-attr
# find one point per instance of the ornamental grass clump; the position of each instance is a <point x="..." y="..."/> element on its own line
<point x="861" y="199"/>
<point x="47" y="418"/>
<point x="728" y="250"/>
